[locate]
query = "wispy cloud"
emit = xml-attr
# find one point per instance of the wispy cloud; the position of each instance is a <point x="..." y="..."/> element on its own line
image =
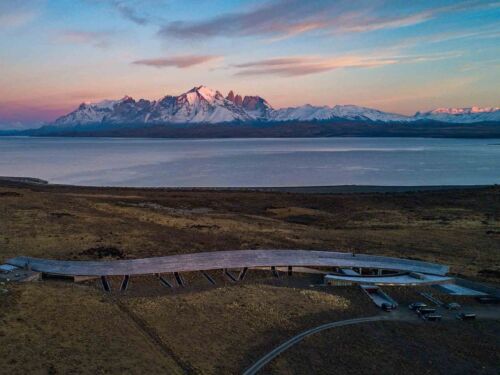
<point x="181" y="61"/>
<point x="373" y="24"/>
<point x="467" y="34"/>
<point x="278" y="19"/>
<point x="99" y="39"/>
<point x="130" y="12"/>
<point x="367" y="20"/>
<point x="299" y="66"/>
<point x="140" y="12"/>
<point x="305" y="65"/>
<point x="272" y="19"/>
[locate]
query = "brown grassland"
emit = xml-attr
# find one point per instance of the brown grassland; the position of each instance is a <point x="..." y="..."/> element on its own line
<point x="57" y="327"/>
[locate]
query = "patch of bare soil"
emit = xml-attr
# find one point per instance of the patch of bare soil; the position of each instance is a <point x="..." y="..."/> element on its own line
<point x="103" y="252"/>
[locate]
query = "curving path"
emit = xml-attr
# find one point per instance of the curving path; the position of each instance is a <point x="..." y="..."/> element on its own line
<point x="225" y="259"/>
<point x="257" y="366"/>
<point x="482" y="312"/>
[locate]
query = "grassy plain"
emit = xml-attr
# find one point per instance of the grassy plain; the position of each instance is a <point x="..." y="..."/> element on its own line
<point x="55" y="327"/>
<point x="460" y="228"/>
<point x="397" y="348"/>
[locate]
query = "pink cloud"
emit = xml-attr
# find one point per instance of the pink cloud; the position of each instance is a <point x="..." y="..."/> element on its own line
<point x="281" y="19"/>
<point x="304" y="65"/>
<point x="181" y="61"/>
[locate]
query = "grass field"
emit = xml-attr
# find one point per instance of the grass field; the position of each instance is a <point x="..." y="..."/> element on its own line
<point x="60" y="328"/>
<point x="55" y="327"/>
<point x="396" y="348"/>
<point x="222" y="330"/>
<point x="460" y="228"/>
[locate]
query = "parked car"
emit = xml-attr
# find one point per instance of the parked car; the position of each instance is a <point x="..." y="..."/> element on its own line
<point x="387" y="307"/>
<point x="466" y="316"/>
<point x="416" y="305"/>
<point x="432" y="317"/>
<point x="452" y="306"/>
<point x="425" y="310"/>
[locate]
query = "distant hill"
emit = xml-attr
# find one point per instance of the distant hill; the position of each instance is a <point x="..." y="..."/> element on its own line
<point x="292" y="129"/>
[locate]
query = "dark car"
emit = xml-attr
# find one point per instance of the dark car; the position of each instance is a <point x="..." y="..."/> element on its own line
<point x="432" y="317"/>
<point x="416" y="305"/>
<point x="466" y="316"/>
<point x="387" y="307"/>
<point x="425" y="310"/>
<point x="452" y="306"/>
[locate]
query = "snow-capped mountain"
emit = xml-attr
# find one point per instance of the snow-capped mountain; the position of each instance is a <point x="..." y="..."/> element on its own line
<point x="198" y="105"/>
<point x="346" y="112"/>
<point x="204" y="105"/>
<point x="107" y="110"/>
<point x="461" y="115"/>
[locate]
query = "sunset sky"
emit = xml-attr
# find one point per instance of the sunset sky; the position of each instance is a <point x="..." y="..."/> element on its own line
<point x="398" y="56"/>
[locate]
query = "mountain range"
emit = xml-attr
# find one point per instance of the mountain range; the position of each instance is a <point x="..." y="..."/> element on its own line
<point x="202" y="105"/>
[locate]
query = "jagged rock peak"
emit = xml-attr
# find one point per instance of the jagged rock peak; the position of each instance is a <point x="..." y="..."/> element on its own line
<point x="204" y="105"/>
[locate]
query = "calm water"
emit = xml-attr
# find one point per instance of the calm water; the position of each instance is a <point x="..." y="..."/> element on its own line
<point x="253" y="162"/>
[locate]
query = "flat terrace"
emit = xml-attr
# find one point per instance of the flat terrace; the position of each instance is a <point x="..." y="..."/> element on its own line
<point x="225" y="260"/>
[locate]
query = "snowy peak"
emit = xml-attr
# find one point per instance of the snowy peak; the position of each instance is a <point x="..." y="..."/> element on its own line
<point x="203" y="92"/>
<point x="461" y="115"/>
<point x="202" y="104"/>
<point x="346" y="112"/>
<point x="198" y="105"/>
<point x="462" y="111"/>
<point x="355" y="112"/>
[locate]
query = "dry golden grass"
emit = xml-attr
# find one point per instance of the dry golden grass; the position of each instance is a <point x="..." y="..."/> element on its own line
<point x="222" y="330"/>
<point x="458" y="227"/>
<point x="59" y="328"/>
<point x="396" y="348"/>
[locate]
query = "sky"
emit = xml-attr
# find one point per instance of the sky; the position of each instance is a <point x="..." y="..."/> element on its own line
<point x="394" y="55"/>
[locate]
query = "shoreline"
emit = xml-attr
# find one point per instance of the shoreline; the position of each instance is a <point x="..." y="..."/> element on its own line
<point x="494" y="136"/>
<point x="328" y="189"/>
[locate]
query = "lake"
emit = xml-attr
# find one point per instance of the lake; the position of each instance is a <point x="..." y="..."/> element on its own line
<point x="252" y="162"/>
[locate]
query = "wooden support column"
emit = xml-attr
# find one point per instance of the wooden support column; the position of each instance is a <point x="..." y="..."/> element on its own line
<point x="229" y="275"/>
<point x="163" y="281"/>
<point x="106" y="285"/>
<point x="290" y="270"/>
<point x="275" y="271"/>
<point x="179" y="279"/>
<point x="242" y="274"/>
<point x="124" y="285"/>
<point x="208" y="277"/>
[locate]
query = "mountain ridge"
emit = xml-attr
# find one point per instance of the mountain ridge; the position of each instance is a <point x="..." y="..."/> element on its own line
<point x="202" y="105"/>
